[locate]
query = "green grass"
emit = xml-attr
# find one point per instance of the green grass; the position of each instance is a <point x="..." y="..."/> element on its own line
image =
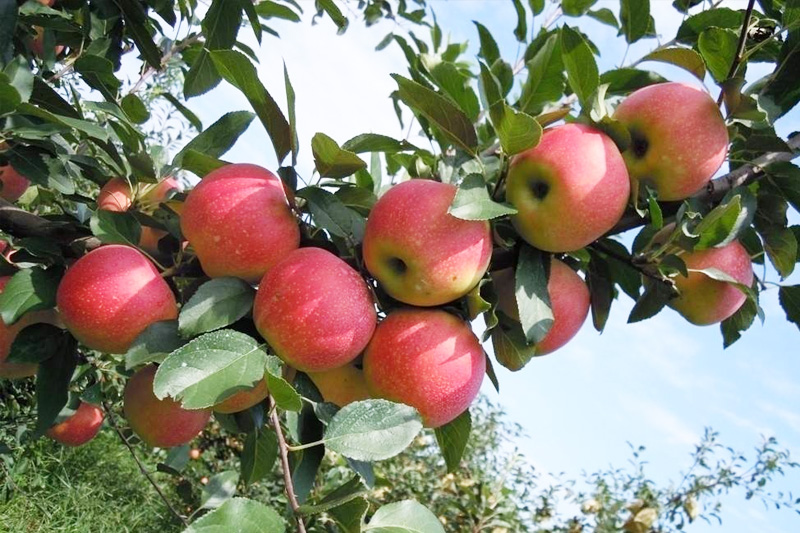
<point x="96" y="488"/>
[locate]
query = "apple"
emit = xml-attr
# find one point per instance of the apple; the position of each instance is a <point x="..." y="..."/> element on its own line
<point x="13" y="183"/>
<point x="116" y="195"/>
<point x="315" y="311"/>
<point x="703" y="300"/>
<point x="162" y="423"/>
<point x="195" y="453"/>
<point x="342" y="385"/>
<point x="239" y="222"/>
<point x="568" y="190"/>
<point x="419" y="253"/>
<point x="79" y="428"/>
<point x="110" y="295"/>
<point x="569" y="300"/>
<point x="428" y="359"/>
<point x="243" y="399"/>
<point x="679" y="138"/>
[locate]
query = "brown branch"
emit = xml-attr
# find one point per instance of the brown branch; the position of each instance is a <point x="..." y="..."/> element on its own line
<point x="112" y="421"/>
<point x="20" y="223"/>
<point x="149" y="71"/>
<point x="737" y="59"/>
<point x="287" y="472"/>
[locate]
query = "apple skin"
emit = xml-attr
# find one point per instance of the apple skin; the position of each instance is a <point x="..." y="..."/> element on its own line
<point x="159" y="423"/>
<point x="14" y="184"/>
<point x="315" y="311"/>
<point x="568" y="190"/>
<point x="420" y="254"/>
<point x="80" y="428"/>
<point x="239" y="222"/>
<point x="341" y="386"/>
<point x="704" y="301"/>
<point x="428" y="359"/>
<point x="115" y="195"/>
<point x="679" y="138"/>
<point x="110" y="295"/>
<point x="244" y="399"/>
<point x="569" y="300"/>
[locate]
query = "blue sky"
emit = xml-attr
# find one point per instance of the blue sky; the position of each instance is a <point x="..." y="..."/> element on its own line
<point x="657" y="383"/>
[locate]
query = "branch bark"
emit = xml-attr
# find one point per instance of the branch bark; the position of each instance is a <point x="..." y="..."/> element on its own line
<point x="287" y="472"/>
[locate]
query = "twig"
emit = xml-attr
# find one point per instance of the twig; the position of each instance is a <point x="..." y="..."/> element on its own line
<point x="287" y="472"/>
<point x="113" y="422"/>
<point x="150" y="70"/>
<point x="737" y="59"/>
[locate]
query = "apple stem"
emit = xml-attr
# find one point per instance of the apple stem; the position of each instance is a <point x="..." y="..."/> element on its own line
<point x="287" y="472"/>
<point x="112" y="420"/>
<point x="737" y="59"/>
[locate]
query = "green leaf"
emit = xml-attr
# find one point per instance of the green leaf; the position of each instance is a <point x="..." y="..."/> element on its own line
<point x="510" y="346"/>
<point x="576" y="8"/>
<point x="448" y="118"/>
<point x="404" y="517"/>
<point x="655" y="296"/>
<point x="30" y="289"/>
<point x="718" y="48"/>
<point x="781" y="247"/>
<point x="37" y="343"/>
<point x="219" y="489"/>
<point x="154" y="344"/>
<point x="489" y="86"/>
<point x="218" y="138"/>
<point x="281" y="390"/>
<point x="116" y="228"/>
<point x="472" y="201"/>
<point x="240" y="515"/>
<point x="98" y="73"/>
<point x="726" y="222"/>
<point x="786" y="178"/>
<point x="457" y="86"/>
<point x="290" y="104"/>
<point x="332" y="215"/>
<point x="200" y="164"/>
<point x="52" y="384"/>
<point x="352" y="489"/>
<point x="135" y="108"/>
<point x="9" y="99"/>
<point x="210" y="369"/>
<point x="193" y="119"/>
<point x="789" y="297"/>
<point x="521" y="31"/>
<point x="601" y="290"/>
<point x="350" y="516"/>
<point x="517" y="131"/>
<point x="216" y="304"/>
<point x="372" y="430"/>
<point x="41" y="168"/>
<point x="685" y="58"/>
<point x="202" y="75"/>
<point x="634" y="15"/>
<point x="8" y="21"/>
<point x="269" y="9"/>
<point x="533" y="298"/>
<point x="733" y="326"/>
<point x="452" y="439"/>
<point x="582" y="73"/>
<point x="626" y="80"/>
<point x="136" y="26"/>
<point x="332" y="161"/>
<point x="545" y="82"/>
<point x="720" y="17"/>
<point x="333" y="11"/>
<point x="240" y="72"/>
<point x="604" y="15"/>
<point x="259" y="455"/>
<point x="373" y="142"/>
<point x="489" y="50"/>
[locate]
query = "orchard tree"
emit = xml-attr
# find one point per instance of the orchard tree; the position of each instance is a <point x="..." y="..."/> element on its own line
<point x="334" y="311"/>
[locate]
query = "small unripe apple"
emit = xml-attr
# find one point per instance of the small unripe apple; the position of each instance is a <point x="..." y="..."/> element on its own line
<point x="162" y="423"/>
<point x="569" y="190"/>
<point x="419" y="253"/>
<point x="569" y="301"/>
<point x="79" y="428"/>
<point x="342" y="385"/>
<point x="315" y="311"/>
<point x="428" y="359"/>
<point x="679" y="138"/>
<point x="704" y="300"/>
<point x="244" y="399"/>
<point x="239" y="222"/>
<point x="110" y="295"/>
<point x="13" y="183"/>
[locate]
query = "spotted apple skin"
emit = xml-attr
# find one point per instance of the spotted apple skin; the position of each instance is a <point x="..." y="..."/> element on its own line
<point x="244" y="399"/>
<point x="80" y="428"/>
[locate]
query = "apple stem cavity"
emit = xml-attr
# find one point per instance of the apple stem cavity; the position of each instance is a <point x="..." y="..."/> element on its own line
<point x="539" y="189"/>
<point x="397" y="265"/>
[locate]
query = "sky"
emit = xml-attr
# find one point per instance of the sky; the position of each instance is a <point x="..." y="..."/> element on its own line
<point x="657" y="383"/>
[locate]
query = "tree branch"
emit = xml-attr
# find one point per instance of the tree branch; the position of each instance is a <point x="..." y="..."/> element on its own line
<point x="287" y="472"/>
<point x="737" y="59"/>
<point x="20" y="223"/>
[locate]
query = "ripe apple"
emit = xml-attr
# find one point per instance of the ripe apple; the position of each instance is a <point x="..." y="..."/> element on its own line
<point x="679" y="138"/>
<point x="421" y="254"/>
<point x="110" y="295"/>
<point x="13" y="183"/>
<point x="244" y="399"/>
<point x="315" y="311"/>
<point x="342" y="385"/>
<point x="116" y="195"/>
<point x="239" y="222"/>
<point x="569" y="190"/>
<point x="704" y="300"/>
<point x="162" y="423"/>
<point x="428" y="359"/>
<point x="569" y="300"/>
<point x="80" y="428"/>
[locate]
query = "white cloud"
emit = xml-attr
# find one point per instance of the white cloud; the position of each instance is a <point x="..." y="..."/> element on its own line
<point x="660" y="418"/>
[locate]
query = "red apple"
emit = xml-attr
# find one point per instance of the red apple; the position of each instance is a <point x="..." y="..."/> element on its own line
<point x="116" y="195"/>
<point x="13" y="183"/>
<point x="162" y="423"/>
<point x="679" y="138"/>
<point x="342" y="385"/>
<point x="420" y="254"/>
<point x="569" y="190"/>
<point x="315" y="311"/>
<point x="704" y="300"/>
<point x="109" y="296"/>
<point x="239" y="222"/>
<point x="244" y="399"/>
<point x="428" y="359"/>
<point x="80" y="428"/>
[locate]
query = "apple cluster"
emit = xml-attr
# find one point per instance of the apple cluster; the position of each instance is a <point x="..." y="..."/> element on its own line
<point x="318" y="312"/>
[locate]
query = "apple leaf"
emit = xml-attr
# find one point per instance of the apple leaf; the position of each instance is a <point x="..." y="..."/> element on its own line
<point x="240" y="515"/>
<point x="330" y="213"/>
<point x="452" y="439"/>
<point x="116" y="228"/>
<point x="407" y="516"/>
<point x="30" y="289"/>
<point x="41" y="168"/>
<point x="685" y="58"/>
<point x="218" y="138"/>
<point x="634" y="16"/>
<point x="626" y="80"/>
<point x="732" y="327"/>
<point x="136" y="27"/>
<point x="533" y="299"/>
<point x="332" y="161"/>
<point x="488" y="46"/>
<point x="52" y="384"/>
<point x="604" y="15"/>
<point x="781" y="247"/>
<point x="521" y="31"/>
<point x="281" y="390"/>
<point x="352" y="489"/>
<point x="789" y="297"/>
<point x="219" y="489"/>
<point x="582" y="73"/>
<point x="350" y="516"/>
<point x="200" y="164"/>
<point x="472" y="201"/>
<point x="601" y="290"/>
<point x="154" y="344"/>
<point x="373" y="142"/>
<point x="259" y="455"/>
<point x="211" y="368"/>
<point x="723" y="224"/>
<point x="37" y="343"/>
<point x="720" y="17"/>
<point x="576" y="8"/>
<point x="216" y="304"/>
<point x="785" y="177"/>
<point x="545" y="82"/>
<point x="655" y="296"/>
<point x="718" y="48"/>
<point x="333" y="11"/>
<point x="517" y="131"/>
<point x="372" y="430"/>
<point x="508" y="340"/>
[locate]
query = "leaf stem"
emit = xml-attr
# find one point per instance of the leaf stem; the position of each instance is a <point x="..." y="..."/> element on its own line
<point x="287" y="472"/>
